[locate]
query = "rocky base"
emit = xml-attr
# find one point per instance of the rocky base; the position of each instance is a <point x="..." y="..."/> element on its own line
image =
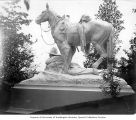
<point x="58" y="79"/>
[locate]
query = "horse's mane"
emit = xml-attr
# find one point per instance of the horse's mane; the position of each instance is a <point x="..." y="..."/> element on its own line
<point x="58" y="16"/>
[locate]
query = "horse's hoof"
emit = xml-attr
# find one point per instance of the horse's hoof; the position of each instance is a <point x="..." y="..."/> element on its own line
<point x="95" y="65"/>
<point x="64" y="72"/>
<point x="86" y="55"/>
<point x="95" y="71"/>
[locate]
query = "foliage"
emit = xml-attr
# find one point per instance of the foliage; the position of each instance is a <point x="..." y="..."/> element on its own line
<point x="127" y="67"/>
<point x="134" y="10"/>
<point x="17" y="53"/>
<point x="108" y="11"/>
<point x="110" y="86"/>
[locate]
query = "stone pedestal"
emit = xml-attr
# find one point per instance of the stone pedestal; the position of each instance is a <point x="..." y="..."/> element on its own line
<point x="49" y="90"/>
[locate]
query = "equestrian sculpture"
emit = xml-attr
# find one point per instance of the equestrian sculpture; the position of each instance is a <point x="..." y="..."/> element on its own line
<point x="67" y="36"/>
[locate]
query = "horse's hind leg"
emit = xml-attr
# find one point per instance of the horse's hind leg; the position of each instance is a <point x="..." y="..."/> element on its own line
<point x="72" y="51"/>
<point x="87" y="49"/>
<point x="102" y="51"/>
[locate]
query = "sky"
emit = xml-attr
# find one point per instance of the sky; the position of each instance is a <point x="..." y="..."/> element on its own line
<point x="74" y="8"/>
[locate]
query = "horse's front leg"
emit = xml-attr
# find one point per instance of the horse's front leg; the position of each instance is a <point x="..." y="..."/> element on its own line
<point x="65" y="52"/>
<point x="71" y="52"/>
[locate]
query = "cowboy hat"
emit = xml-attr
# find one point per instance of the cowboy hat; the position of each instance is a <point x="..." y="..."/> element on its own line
<point x="54" y="51"/>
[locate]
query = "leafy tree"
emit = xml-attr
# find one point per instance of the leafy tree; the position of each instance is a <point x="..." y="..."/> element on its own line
<point x="108" y="11"/>
<point x="17" y="53"/>
<point x="134" y="10"/>
<point x="127" y="67"/>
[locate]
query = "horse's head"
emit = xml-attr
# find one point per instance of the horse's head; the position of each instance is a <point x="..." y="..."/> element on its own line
<point x="44" y="16"/>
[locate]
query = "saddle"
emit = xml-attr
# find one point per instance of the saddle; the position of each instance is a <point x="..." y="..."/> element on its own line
<point x="80" y="30"/>
<point x="64" y="25"/>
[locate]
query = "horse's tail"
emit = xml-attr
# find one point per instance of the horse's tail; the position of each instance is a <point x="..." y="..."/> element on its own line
<point x="110" y="49"/>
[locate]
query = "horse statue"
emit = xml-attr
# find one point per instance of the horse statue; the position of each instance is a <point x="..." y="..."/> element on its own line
<point x="69" y="35"/>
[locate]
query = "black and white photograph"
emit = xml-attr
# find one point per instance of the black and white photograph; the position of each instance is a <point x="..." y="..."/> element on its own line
<point x="62" y="58"/>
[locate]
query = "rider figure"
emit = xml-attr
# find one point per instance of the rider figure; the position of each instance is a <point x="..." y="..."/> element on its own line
<point x="56" y="62"/>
